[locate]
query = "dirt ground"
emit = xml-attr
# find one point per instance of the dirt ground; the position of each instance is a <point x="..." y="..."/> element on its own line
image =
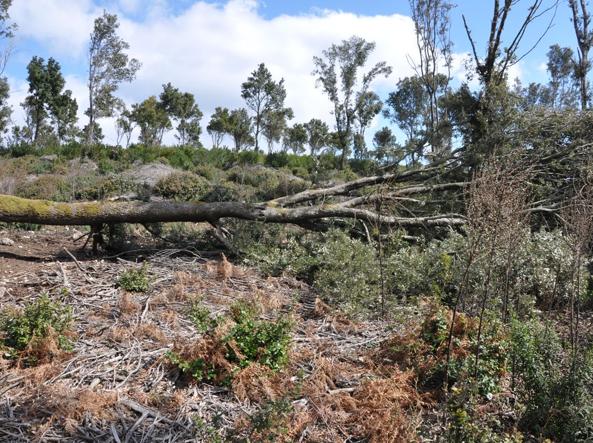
<point x="117" y="383"/>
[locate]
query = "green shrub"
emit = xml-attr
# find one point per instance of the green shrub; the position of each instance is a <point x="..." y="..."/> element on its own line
<point x="331" y="176"/>
<point x="423" y="269"/>
<point x="303" y="163"/>
<point x="39" y="320"/>
<point x="268" y="183"/>
<point x="183" y="186"/>
<point x="343" y="270"/>
<point x="261" y="341"/>
<point x="200" y="317"/>
<point x="20" y="226"/>
<point x="277" y="159"/>
<point x="200" y="369"/>
<point x="98" y="188"/>
<point x="294" y="256"/>
<point x="209" y="172"/>
<point x="22" y="149"/>
<point x="134" y="279"/>
<point x="181" y="157"/>
<point x="271" y="421"/>
<point x="221" y="158"/>
<point x="348" y="274"/>
<point x="549" y="265"/>
<point x="363" y="167"/>
<point x="228" y="191"/>
<point x="540" y="271"/>
<point x="555" y="386"/>
<point x="251" y="158"/>
<point x="232" y="343"/>
<point x="46" y="187"/>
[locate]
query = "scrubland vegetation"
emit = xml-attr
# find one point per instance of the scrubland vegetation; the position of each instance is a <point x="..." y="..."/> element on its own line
<point x="434" y="289"/>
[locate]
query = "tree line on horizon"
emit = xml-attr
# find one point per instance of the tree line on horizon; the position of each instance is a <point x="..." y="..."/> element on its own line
<point x="431" y="115"/>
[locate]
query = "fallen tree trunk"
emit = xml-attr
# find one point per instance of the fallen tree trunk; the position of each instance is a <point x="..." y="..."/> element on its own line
<point x="15" y="209"/>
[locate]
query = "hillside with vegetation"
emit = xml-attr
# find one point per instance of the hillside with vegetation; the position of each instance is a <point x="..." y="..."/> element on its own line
<point x="292" y="282"/>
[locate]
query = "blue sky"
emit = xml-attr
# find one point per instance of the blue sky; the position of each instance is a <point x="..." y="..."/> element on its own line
<point x="209" y="48"/>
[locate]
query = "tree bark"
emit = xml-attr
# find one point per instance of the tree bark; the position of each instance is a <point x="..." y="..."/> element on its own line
<point x="16" y="209"/>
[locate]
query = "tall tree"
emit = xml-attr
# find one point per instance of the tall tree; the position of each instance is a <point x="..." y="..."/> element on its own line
<point x="152" y="119"/>
<point x="295" y="138"/>
<point x="39" y="95"/>
<point x="581" y="21"/>
<point x="7" y="30"/>
<point x="6" y="37"/>
<point x="109" y="66"/>
<point x="182" y="107"/>
<point x="5" y="109"/>
<point x="125" y="125"/>
<point x="494" y="106"/>
<point x="432" y="25"/>
<point x="219" y="126"/>
<point x="240" y="128"/>
<point x="385" y="143"/>
<point x="92" y="133"/>
<point x="262" y="96"/>
<point x="562" y="91"/>
<point x="408" y="108"/>
<point x="562" y="70"/>
<point x="368" y="107"/>
<point x="274" y="124"/>
<point x="493" y="67"/>
<point x="63" y="111"/>
<point x="338" y="73"/>
<point x="317" y="135"/>
<point x="47" y="99"/>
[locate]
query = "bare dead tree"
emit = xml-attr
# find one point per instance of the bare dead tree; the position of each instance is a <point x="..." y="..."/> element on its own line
<point x="581" y="21"/>
<point x="496" y="212"/>
<point x="493" y="67"/>
<point x="578" y="224"/>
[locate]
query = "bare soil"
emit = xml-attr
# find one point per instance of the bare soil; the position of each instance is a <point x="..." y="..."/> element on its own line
<point x="118" y="385"/>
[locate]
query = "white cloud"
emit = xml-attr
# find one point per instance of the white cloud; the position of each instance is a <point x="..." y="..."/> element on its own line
<point x="129" y="6"/>
<point x="62" y="26"/>
<point x="210" y="49"/>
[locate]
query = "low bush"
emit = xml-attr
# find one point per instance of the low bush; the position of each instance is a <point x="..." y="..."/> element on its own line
<point x="183" y="186"/>
<point x="100" y="187"/>
<point x="271" y="422"/>
<point x="46" y="187"/>
<point x="343" y="270"/>
<point x="199" y="315"/>
<point x="134" y="279"/>
<point x="251" y="158"/>
<point x="209" y="172"/>
<point x="555" y="385"/>
<point x="39" y="329"/>
<point x="259" y="341"/>
<point x="348" y="274"/>
<point x="232" y="343"/>
<point x="303" y="163"/>
<point x="229" y="191"/>
<point x="425" y="351"/>
<point x="268" y="183"/>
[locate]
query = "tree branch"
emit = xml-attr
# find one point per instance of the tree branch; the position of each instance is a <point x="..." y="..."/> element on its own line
<point x="16" y="209"/>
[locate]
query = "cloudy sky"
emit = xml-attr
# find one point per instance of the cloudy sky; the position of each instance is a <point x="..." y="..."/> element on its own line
<point x="210" y="47"/>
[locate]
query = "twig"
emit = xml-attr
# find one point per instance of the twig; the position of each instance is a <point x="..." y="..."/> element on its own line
<point x="79" y="266"/>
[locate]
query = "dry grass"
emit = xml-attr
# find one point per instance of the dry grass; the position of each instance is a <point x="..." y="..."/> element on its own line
<point x="387" y="410"/>
<point x="127" y="305"/>
<point x="224" y="269"/>
<point x="62" y="402"/>
<point x="150" y="331"/>
<point x="121" y="355"/>
<point x="258" y="383"/>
